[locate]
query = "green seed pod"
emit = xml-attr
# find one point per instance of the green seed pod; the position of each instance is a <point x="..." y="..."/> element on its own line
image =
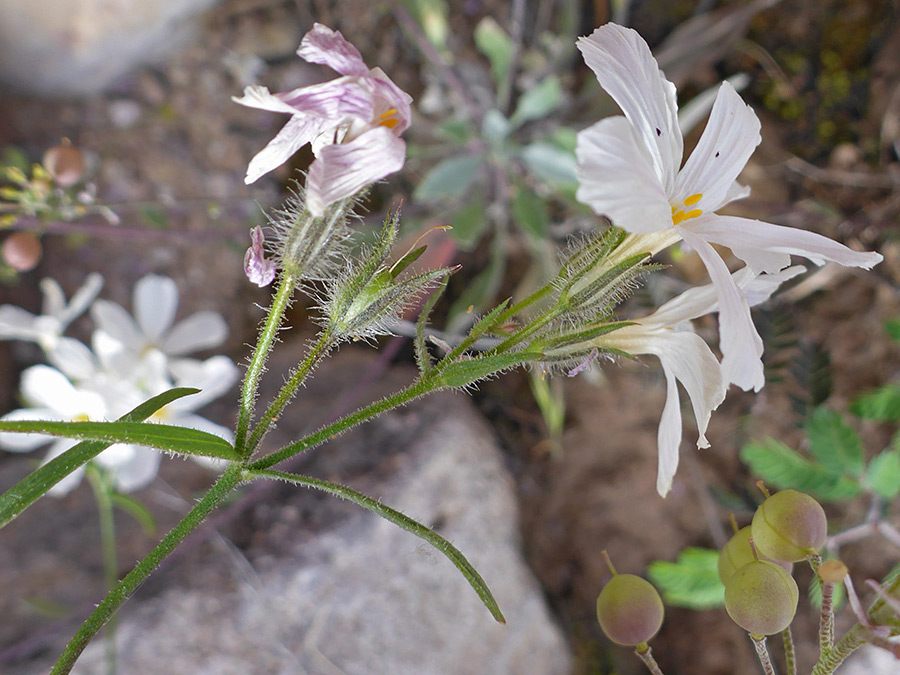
<point x="738" y="552"/>
<point x="629" y="609"/>
<point x="761" y="598"/>
<point x="789" y="526"/>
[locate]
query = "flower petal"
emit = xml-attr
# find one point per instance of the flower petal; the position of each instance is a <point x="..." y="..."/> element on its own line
<point x="155" y="302"/>
<point x="82" y="299"/>
<point x="739" y="342"/>
<point x="54" y="303"/>
<point x="113" y="320"/>
<point x="213" y="377"/>
<point x="51" y="389"/>
<point x="342" y="170"/>
<point x="132" y="466"/>
<point x="616" y="177"/>
<point x="330" y="48"/>
<point x="730" y="137"/>
<point x="668" y="437"/>
<point x="203" y="330"/>
<point x="15" y="442"/>
<point x="73" y="358"/>
<point x="17" y="324"/>
<point x="758" y="242"/>
<point x="298" y="131"/>
<point x="628" y="72"/>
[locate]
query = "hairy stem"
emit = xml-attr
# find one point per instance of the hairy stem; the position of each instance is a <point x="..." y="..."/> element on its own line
<point x="644" y="653"/>
<point x="830" y="660"/>
<point x="258" y="361"/>
<point x="790" y="654"/>
<point x="114" y="599"/>
<point x="826" y="618"/>
<point x="317" y="353"/>
<point x="102" y="494"/>
<point x="762" y="651"/>
<point x="418" y="388"/>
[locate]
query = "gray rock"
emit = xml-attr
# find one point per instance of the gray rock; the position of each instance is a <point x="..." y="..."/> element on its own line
<point x="355" y="594"/>
<point x="77" y="47"/>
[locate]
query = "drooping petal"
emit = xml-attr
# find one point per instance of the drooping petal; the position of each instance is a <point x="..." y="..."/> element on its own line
<point x="330" y="48"/>
<point x="668" y="437"/>
<point x="333" y="101"/>
<point x="730" y="137"/>
<point x="628" y="72"/>
<point x="298" y="131"/>
<point x="739" y="342"/>
<point x="342" y="170"/>
<point x="115" y="322"/>
<point x="757" y="242"/>
<point x="54" y="303"/>
<point x="257" y="96"/>
<point x="155" y="303"/>
<point x="616" y="177"/>
<point x="203" y="330"/>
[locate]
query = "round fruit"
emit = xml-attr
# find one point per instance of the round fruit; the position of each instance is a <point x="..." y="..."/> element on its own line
<point x="629" y="609"/>
<point x="789" y="526"/>
<point x="761" y="598"/>
<point x="738" y="552"/>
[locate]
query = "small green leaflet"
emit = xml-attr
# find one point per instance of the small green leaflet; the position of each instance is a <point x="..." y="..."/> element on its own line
<point x="495" y="44"/>
<point x="883" y="404"/>
<point x="692" y="581"/>
<point x="883" y="475"/>
<point x="449" y="179"/>
<point x="779" y="465"/>
<point x="834" y="443"/>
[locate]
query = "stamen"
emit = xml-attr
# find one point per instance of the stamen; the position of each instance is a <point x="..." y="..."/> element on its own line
<point x="693" y="214"/>
<point x="693" y="199"/>
<point x="387" y="119"/>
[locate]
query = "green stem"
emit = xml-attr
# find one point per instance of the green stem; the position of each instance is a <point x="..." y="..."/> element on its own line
<point x="257" y="362"/>
<point x="790" y="654"/>
<point x="114" y="599"/>
<point x="644" y="653"/>
<point x="762" y="651"/>
<point x="317" y="353"/>
<point x="103" y="494"/>
<point x="830" y="660"/>
<point x="525" y="332"/>
<point x="420" y="387"/>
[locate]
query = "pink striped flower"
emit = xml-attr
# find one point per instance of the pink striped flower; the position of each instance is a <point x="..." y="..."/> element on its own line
<point x="353" y="122"/>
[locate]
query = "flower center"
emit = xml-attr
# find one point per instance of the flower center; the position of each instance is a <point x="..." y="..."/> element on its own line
<point x="387" y="119"/>
<point x="682" y="211"/>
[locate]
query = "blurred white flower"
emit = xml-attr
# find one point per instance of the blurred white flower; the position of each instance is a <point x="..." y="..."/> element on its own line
<point x="154" y="301"/>
<point x="56" y="315"/>
<point x="127" y="363"/>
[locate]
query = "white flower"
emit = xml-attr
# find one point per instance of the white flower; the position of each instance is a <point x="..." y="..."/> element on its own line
<point x="629" y="169"/>
<point x="56" y="314"/>
<point x="155" y="301"/>
<point x="686" y="358"/>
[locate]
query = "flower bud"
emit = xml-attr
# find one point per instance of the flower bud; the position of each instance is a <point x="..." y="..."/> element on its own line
<point x="22" y="251"/>
<point x="629" y="610"/>
<point x="65" y="164"/>
<point x="832" y="571"/>
<point x="761" y="598"/>
<point x="789" y="526"/>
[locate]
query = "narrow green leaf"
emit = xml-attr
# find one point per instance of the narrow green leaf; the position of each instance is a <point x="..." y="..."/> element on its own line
<point x="834" y="443"/>
<point x="136" y="510"/>
<point x="484" y="325"/>
<point x="883" y="475"/>
<point x="538" y="102"/>
<point x="470" y="221"/>
<point x="495" y="127"/>
<point x="166" y="437"/>
<point x="883" y="404"/>
<point x="550" y="163"/>
<point x="782" y="467"/>
<point x="692" y="581"/>
<point x="530" y="213"/>
<point x="403" y="521"/>
<point x="495" y="44"/>
<point x="456" y="131"/>
<point x="24" y="493"/>
<point x="449" y="179"/>
<point x="467" y="372"/>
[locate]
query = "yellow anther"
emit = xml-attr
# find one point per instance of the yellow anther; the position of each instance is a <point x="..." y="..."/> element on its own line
<point x="693" y="214"/>
<point x="693" y="199"/>
<point x="677" y="217"/>
<point x="388" y="119"/>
